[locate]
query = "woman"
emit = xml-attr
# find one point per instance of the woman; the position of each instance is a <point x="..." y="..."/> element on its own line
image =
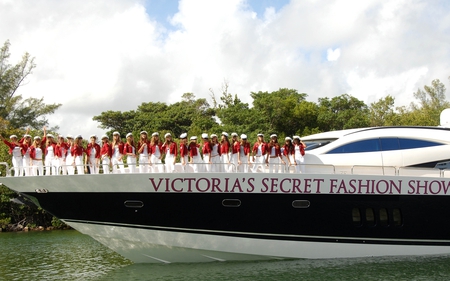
<point x="155" y="153"/>
<point x="299" y="152"/>
<point x="36" y="154"/>
<point x="26" y="149"/>
<point x="243" y="154"/>
<point x="50" y="150"/>
<point x="184" y="152"/>
<point x="92" y="159"/>
<point x="105" y="154"/>
<point x="273" y="157"/>
<point x="69" y="158"/>
<point x="215" y="153"/>
<point x="78" y="153"/>
<point x="61" y="155"/>
<point x="224" y="151"/>
<point x="194" y="153"/>
<point x="117" y="154"/>
<point x="206" y="151"/>
<point x="259" y="153"/>
<point x="15" y="150"/>
<point x="288" y="153"/>
<point x="129" y="149"/>
<point x="170" y="149"/>
<point x="143" y="150"/>
<point x="234" y="157"/>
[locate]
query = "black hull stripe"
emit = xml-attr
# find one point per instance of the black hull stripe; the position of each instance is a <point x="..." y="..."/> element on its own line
<point x="299" y="238"/>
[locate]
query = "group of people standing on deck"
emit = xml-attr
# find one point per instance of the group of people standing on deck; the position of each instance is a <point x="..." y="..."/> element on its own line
<point x="59" y="155"/>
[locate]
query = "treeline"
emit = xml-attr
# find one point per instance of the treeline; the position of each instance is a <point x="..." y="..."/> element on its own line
<point x="285" y="112"/>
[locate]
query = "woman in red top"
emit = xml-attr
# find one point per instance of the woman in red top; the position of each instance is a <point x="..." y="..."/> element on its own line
<point x="184" y="152"/>
<point x="194" y="153"/>
<point x="50" y="150"/>
<point x="36" y="155"/>
<point x="259" y="154"/>
<point x="26" y="149"/>
<point x="156" y="153"/>
<point x="224" y="151"/>
<point x="143" y="149"/>
<point x="15" y="150"/>
<point x="105" y="154"/>
<point x="93" y="155"/>
<point x="273" y="157"/>
<point x="235" y="146"/>
<point x="288" y="153"/>
<point x="78" y="153"/>
<point x="61" y="154"/>
<point x="215" y="154"/>
<point x="169" y="148"/>
<point x="299" y="148"/>
<point x="117" y="154"/>
<point x="206" y="151"/>
<point x="129" y="149"/>
<point x="243" y="154"/>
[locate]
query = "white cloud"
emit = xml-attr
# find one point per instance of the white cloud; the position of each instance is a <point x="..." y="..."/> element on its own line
<point x="111" y="55"/>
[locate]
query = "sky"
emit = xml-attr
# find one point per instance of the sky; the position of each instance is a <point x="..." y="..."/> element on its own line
<point x="94" y="56"/>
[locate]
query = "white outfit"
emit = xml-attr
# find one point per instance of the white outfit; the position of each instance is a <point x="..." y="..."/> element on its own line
<point x="156" y="161"/>
<point x="49" y="161"/>
<point x="117" y="164"/>
<point x="80" y="165"/>
<point x="93" y="167"/>
<point x="234" y="161"/>
<point x="38" y="167"/>
<point x="143" y="161"/>
<point x="105" y="164"/>
<point x="27" y="165"/>
<point x="69" y="162"/>
<point x="215" y="158"/>
<point x="196" y="160"/>
<point x="243" y="168"/>
<point x="299" y="160"/>
<point x="259" y="160"/>
<point x="170" y="167"/>
<point x="17" y="161"/>
<point x="131" y="161"/>
<point x="274" y="161"/>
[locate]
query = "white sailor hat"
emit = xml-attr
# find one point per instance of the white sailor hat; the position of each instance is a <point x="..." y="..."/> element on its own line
<point x="116" y="133"/>
<point x="69" y="137"/>
<point x="143" y="132"/>
<point x="50" y="136"/>
<point x="60" y="136"/>
<point x="273" y="136"/>
<point x="167" y="135"/>
<point x="213" y="136"/>
<point x="93" y="136"/>
<point x="12" y="136"/>
<point x="27" y="136"/>
<point x="193" y="137"/>
<point x="260" y="135"/>
<point x="183" y="136"/>
<point x="129" y="135"/>
<point x="37" y="137"/>
<point x="78" y="137"/>
<point x="287" y="138"/>
<point x="296" y="137"/>
<point x="225" y="134"/>
<point x="105" y="137"/>
<point x="244" y="136"/>
<point x="204" y="136"/>
<point x="234" y="134"/>
<point x="155" y="134"/>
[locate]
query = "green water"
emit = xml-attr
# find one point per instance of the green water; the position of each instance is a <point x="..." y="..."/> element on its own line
<point x="69" y="255"/>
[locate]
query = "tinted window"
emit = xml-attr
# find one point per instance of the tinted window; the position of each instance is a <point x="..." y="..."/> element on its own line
<point x="412" y="143"/>
<point x="370" y="145"/>
<point x="389" y="144"/>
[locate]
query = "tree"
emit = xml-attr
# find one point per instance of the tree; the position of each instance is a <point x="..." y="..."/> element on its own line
<point x="382" y="112"/>
<point x="19" y="112"/>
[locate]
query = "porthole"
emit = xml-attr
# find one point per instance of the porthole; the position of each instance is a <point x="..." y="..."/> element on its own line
<point x="356" y="216"/>
<point x="383" y="217"/>
<point x="397" y="217"/>
<point x="370" y="217"/>
<point x="133" y="204"/>
<point x="301" y="204"/>
<point x="231" y="203"/>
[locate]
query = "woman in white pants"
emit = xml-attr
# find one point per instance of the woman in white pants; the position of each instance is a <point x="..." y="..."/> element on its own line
<point x="105" y="154"/>
<point x="194" y="153"/>
<point x="69" y="158"/>
<point x="26" y="149"/>
<point x="156" y="153"/>
<point x="273" y="157"/>
<point x="259" y="154"/>
<point x="144" y="152"/>
<point x="78" y="153"/>
<point x="299" y="152"/>
<point x="234" y="153"/>
<point x="50" y="150"/>
<point x="92" y="159"/>
<point x="206" y="151"/>
<point x="170" y="149"/>
<point x="244" y="154"/>
<point x="61" y="155"/>
<point x="129" y="149"/>
<point x="215" y="154"/>
<point x="117" y="154"/>
<point x="184" y="152"/>
<point x="15" y="150"/>
<point x="36" y="154"/>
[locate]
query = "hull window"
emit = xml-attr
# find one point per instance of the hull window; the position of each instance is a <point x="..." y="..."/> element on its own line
<point x="370" y="217"/>
<point x="397" y="217"/>
<point x="356" y="216"/>
<point x="231" y="203"/>
<point x="133" y="204"/>
<point x="384" y="218"/>
<point x="301" y="204"/>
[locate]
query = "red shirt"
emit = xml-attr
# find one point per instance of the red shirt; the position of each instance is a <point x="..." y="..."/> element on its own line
<point x="246" y="148"/>
<point x="263" y="148"/>
<point x="172" y="148"/>
<point x="152" y="149"/>
<point x="288" y="151"/>
<point x="183" y="150"/>
<point x="128" y="148"/>
<point x="224" y="147"/>
<point x="77" y="150"/>
<point x="90" y="147"/>
<point x="206" y="149"/>
<point x="106" y="150"/>
<point x="235" y="148"/>
<point x="277" y="150"/>
<point x="12" y="146"/>
<point x="141" y="144"/>
<point x="61" y="149"/>
<point x="193" y="149"/>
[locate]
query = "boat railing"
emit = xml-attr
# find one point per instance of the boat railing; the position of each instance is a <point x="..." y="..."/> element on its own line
<point x="416" y="171"/>
<point x="373" y="170"/>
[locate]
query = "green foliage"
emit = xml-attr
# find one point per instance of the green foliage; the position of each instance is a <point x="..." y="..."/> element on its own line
<point x="19" y="112"/>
